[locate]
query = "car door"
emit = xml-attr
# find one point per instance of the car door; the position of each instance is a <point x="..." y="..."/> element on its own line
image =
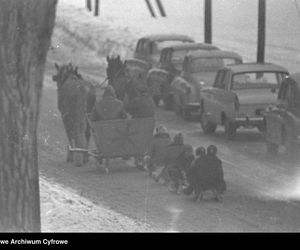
<point x="216" y="98"/>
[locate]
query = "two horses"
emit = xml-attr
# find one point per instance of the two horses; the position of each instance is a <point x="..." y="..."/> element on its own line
<point x="77" y="97"/>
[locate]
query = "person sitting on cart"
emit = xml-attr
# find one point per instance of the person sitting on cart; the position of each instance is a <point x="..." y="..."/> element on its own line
<point x="155" y="158"/>
<point x="195" y="167"/>
<point x="142" y="105"/>
<point x="109" y="107"/>
<point x="178" y="171"/>
<point x="175" y="148"/>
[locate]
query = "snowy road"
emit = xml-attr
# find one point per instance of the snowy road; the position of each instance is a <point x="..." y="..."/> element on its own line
<point x="262" y="193"/>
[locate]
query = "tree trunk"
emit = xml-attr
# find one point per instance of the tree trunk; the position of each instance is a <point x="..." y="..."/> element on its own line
<point x="25" y="34"/>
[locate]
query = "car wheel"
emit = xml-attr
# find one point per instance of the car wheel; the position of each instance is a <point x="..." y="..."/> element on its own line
<point x="207" y="126"/>
<point x="230" y="129"/>
<point x="272" y="148"/>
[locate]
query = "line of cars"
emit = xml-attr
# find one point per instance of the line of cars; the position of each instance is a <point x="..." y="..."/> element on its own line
<point x="218" y="87"/>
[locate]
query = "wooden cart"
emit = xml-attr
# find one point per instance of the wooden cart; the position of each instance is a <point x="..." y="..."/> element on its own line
<point x="121" y="139"/>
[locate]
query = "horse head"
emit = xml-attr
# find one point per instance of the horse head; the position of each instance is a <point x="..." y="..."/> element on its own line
<point x="115" y="68"/>
<point x="64" y="72"/>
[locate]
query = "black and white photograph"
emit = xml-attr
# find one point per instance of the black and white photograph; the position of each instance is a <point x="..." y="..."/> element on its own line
<point x="149" y="116"/>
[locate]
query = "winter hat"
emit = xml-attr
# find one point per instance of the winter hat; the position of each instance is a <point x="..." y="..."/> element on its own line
<point x="200" y="151"/>
<point x="212" y="150"/>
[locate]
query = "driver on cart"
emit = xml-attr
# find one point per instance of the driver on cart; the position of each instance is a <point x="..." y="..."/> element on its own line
<point x="108" y="108"/>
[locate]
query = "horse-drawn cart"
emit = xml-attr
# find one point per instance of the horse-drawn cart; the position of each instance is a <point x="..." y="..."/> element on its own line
<point x="121" y="139"/>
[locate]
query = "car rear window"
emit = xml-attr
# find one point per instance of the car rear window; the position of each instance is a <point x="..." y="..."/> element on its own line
<point x="159" y="45"/>
<point x="255" y="80"/>
<point x="206" y="64"/>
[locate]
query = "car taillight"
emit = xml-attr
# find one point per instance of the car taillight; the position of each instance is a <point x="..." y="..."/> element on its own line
<point x="236" y="104"/>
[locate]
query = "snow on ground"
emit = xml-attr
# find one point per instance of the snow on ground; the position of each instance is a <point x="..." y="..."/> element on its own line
<point x="65" y="211"/>
<point x="86" y="40"/>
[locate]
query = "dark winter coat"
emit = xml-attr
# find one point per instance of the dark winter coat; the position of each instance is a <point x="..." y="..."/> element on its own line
<point x="172" y="154"/>
<point x="209" y="174"/>
<point x="141" y="107"/>
<point x="178" y="171"/>
<point x="108" y="108"/>
<point x="183" y="162"/>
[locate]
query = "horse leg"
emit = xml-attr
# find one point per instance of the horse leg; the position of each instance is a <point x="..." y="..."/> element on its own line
<point x="68" y="129"/>
<point x="80" y="142"/>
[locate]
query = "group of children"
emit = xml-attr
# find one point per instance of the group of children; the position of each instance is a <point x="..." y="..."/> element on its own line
<point x="182" y="169"/>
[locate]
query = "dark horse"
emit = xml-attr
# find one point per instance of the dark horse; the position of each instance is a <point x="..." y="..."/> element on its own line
<point x="119" y="76"/>
<point x="76" y="97"/>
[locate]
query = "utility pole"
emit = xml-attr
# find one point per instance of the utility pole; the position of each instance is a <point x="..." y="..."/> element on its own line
<point x="96" y="8"/>
<point x="261" y="34"/>
<point x="208" y="21"/>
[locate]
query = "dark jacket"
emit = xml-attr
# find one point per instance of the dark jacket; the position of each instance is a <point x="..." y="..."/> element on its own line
<point x="141" y="107"/>
<point x="172" y="154"/>
<point x="209" y="174"/>
<point x="109" y="107"/>
<point x="183" y="162"/>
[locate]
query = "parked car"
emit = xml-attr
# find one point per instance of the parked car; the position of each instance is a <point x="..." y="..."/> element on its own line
<point x="239" y="96"/>
<point x="169" y="66"/>
<point x="148" y="48"/>
<point x="283" y="118"/>
<point x="199" y="70"/>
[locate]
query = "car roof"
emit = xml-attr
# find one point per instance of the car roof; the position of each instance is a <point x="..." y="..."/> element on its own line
<point x="213" y="53"/>
<point x="167" y="37"/>
<point x="255" y="67"/>
<point x="191" y="46"/>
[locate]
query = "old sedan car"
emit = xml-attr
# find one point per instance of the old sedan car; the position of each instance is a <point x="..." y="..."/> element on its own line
<point x="148" y="48"/>
<point x="169" y="66"/>
<point x="283" y="118"/>
<point x="239" y="95"/>
<point x="199" y="70"/>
